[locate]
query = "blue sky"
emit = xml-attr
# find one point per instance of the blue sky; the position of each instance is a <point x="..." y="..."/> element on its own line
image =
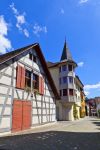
<point x="48" y="22"/>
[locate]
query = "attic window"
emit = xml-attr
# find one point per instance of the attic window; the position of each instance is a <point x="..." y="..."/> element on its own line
<point x="32" y="57"/>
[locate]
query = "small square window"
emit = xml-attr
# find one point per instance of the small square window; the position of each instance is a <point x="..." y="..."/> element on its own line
<point x="64" y="68"/>
<point x="64" y="92"/>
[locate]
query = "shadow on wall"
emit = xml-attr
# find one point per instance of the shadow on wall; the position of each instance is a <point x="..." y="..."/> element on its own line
<point x="52" y="140"/>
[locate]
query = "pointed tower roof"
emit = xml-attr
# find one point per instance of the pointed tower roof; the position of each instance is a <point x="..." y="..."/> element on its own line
<point x="66" y="55"/>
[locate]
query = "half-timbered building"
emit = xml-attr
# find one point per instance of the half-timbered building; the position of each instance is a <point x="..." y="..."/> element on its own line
<point x="27" y="92"/>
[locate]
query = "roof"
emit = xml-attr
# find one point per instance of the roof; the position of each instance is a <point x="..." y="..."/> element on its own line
<point x="79" y="80"/>
<point x="36" y="46"/>
<point x="66" y="55"/>
<point x="51" y="64"/>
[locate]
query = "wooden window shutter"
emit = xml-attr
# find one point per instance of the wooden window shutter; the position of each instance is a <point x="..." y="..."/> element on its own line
<point x="18" y="76"/>
<point x="22" y="77"/>
<point x="41" y="85"/>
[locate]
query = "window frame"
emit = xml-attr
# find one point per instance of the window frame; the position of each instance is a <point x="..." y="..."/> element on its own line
<point x="64" y="68"/>
<point x="65" y="92"/>
<point x="70" y="67"/>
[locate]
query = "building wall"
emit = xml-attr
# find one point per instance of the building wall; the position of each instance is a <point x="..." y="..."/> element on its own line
<point x="43" y="106"/>
<point x="55" y="76"/>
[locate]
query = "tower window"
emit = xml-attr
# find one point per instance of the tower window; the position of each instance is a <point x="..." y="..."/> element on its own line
<point x="70" y="68"/>
<point x="64" y="92"/>
<point x="64" y="68"/>
<point x="70" y="79"/>
<point x="64" y="79"/>
<point x="71" y="92"/>
<point x="59" y="69"/>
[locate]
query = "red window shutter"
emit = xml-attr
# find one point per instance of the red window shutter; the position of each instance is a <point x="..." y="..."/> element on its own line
<point x="40" y="85"/>
<point x="22" y="78"/>
<point x="18" y="76"/>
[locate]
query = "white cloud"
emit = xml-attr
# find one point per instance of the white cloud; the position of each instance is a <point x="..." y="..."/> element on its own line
<point x="86" y="93"/>
<point x="26" y="32"/>
<point x="21" y="21"/>
<point x="5" y="43"/>
<point x="37" y="29"/>
<point x="92" y="86"/>
<point x="62" y="11"/>
<point x="83" y="1"/>
<point x="80" y="64"/>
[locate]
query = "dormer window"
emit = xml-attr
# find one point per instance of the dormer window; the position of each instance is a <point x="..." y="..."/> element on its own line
<point x="32" y="57"/>
<point x="70" y="68"/>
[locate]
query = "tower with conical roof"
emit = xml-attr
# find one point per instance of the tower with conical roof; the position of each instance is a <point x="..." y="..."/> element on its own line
<point x="66" y="80"/>
<point x="66" y="55"/>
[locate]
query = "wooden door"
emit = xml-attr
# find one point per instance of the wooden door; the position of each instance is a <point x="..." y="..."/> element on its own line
<point x="26" y="117"/>
<point x="21" y="116"/>
<point x="17" y="116"/>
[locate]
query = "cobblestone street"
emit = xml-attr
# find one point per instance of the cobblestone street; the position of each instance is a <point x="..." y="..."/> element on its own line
<point x="77" y="135"/>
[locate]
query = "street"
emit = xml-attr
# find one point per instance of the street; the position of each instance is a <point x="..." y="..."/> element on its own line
<point x="77" y="135"/>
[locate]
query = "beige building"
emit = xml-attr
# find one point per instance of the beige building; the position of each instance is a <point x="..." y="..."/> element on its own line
<point x="68" y="86"/>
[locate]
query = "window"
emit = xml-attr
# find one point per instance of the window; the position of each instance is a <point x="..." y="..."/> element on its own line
<point x="64" y="68"/>
<point x="27" y="78"/>
<point x="70" y="67"/>
<point x="35" y="81"/>
<point x="71" y="92"/>
<point x="70" y="79"/>
<point x="60" y="93"/>
<point x="59" y="80"/>
<point x="64" y="79"/>
<point x="32" y="57"/>
<point x="64" y="92"/>
<point x="59" y="69"/>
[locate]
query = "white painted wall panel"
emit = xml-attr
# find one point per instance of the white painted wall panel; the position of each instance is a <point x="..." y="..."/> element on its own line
<point x="7" y="111"/>
<point x="2" y="100"/>
<point x="5" y="80"/>
<point x="45" y="105"/>
<point x="35" y="120"/>
<point x="3" y="90"/>
<point x="5" y="123"/>
<point x="36" y="111"/>
<point x="46" y="99"/>
<point x="18" y="94"/>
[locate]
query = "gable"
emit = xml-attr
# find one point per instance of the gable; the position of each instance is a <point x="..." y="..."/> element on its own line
<point x="23" y="54"/>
